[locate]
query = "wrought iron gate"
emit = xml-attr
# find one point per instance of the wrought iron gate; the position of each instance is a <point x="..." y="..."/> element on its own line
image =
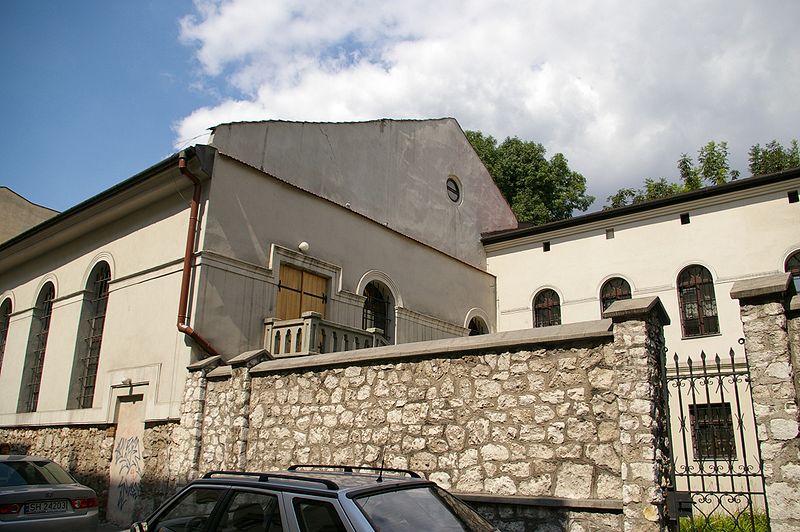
<point x="716" y="480"/>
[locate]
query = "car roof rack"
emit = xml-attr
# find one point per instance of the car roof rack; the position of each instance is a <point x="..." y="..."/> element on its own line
<point x="350" y="469"/>
<point x="266" y="477"/>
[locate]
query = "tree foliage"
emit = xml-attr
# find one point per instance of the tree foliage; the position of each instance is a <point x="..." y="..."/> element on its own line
<point x="539" y="190"/>
<point x="773" y="157"/>
<point x="712" y="168"/>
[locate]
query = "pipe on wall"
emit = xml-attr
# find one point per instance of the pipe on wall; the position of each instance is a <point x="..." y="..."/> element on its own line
<point x="183" y="305"/>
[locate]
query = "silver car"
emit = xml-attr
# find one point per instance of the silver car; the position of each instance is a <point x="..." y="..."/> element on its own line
<point x="314" y="498"/>
<point x="37" y="494"/>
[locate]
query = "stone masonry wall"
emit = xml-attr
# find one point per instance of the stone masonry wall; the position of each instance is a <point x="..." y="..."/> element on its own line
<point x="526" y="423"/>
<point x="84" y="451"/>
<point x="156" y="484"/>
<point x="642" y="422"/>
<point x="776" y="406"/>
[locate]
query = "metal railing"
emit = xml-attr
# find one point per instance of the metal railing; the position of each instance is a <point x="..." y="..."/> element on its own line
<point x="310" y="334"/>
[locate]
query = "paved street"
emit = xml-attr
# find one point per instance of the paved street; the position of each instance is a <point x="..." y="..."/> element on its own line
<point x="107" y="527"/>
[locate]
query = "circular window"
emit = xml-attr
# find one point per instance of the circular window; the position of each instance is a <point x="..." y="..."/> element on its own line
<point x="453" y="189"/>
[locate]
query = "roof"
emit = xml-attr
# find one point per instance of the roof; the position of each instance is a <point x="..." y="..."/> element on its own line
<point x="611" y="214"/>
<point x="73" y="215"/>
<point x="346" y="479"/>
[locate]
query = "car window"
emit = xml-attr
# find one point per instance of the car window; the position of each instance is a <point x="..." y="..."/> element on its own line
<point x="190" y="513"/>
<point x="252" y="512"/>
<point x="426" y="508"/>
<point x="24" y="472"/>
<point x="317" y="516"/>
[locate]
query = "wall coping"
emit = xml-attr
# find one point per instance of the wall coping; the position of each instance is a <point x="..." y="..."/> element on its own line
<point x="794" y="303"/>
<point x="220" y="372"/>
<point x="247" y="356"/>
<point x="607" y="505"/>
<point x="464" y="344"/>
<point x="760" y="286"/>
<point x="623" y="309"/>
<point x="205" y="363"/>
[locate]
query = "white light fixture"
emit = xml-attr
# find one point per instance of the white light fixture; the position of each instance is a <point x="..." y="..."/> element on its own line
<point x="303" y="246"/>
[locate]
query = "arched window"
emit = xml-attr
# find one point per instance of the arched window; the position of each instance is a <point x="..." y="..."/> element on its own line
<point x="37" y="344"/>
<point x="546" y="309"/>
<point x="378" y="309"/>
<point x="5" y="320"/>
<point x="793" y="267"/>
<point x="90" y="337"/>
<point x="697" y="301"/>
<point x="614" y="289"/>
<point x="477" y="326"/>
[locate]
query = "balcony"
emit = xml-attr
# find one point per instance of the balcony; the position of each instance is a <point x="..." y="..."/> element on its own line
<point x="311" y="335"/>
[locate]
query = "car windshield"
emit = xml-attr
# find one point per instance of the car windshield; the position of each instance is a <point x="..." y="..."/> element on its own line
<point x="25" y="472"/>
<point x="428" y="508"/>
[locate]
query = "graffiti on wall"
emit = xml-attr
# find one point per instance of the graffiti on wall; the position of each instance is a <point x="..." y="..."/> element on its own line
<point x="128" y="461"/>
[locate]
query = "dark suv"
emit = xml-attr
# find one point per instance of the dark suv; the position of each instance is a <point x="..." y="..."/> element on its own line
<point x="312" y="498"/>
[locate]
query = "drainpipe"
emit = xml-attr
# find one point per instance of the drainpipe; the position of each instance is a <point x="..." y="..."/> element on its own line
<point x="187" y="261"/>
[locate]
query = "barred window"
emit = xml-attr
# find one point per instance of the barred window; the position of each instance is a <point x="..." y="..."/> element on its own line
<point x="378" y="308"/>
<point x="5" y="320"/>
<point x="698" y="305"/>
<point x="546" y="309"/>
<point x="614" y="289"/>
<point x="90" y="337"/>
<point x="793" y="267"/>
<point x="712" y="431"/>
<point x="37" y="345"/>
<point x="477" y="326"/>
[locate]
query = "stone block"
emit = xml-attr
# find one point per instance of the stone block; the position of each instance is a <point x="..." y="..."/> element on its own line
<point x="574" y="481"/>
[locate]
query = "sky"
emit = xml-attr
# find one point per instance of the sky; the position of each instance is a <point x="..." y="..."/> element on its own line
<point x="95" y="91"/>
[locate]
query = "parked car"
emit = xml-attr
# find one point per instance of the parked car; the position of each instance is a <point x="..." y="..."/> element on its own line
<point x="36" y="494"/>
<point x="313" y="498"/>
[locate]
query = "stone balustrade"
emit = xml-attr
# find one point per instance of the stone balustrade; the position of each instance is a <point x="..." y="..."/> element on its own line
<point x="310" y="334"/>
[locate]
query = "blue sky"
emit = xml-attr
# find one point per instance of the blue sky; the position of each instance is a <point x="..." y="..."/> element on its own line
<point x="96" y="91"/>
<point x="90" y="89"/>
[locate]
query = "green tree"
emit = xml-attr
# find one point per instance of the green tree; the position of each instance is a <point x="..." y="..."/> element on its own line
<point x="773" y="157"/>
<point x="712" y="168"/>
<point x="539" y="190"/>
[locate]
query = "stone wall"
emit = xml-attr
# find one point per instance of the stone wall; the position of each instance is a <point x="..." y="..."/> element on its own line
<point x="560" y="414"/>
<point x="84" y="451"/>
<point x="538" y="422"/>
<point x="765" y="305"/>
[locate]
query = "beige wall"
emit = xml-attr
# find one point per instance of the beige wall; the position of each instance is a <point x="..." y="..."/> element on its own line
<point x="251" y="215"/>
<point x="140" y="340"/>
<point x="745" y="234"/>
<point x="391" y="171"/>
<point x="18" y="214"/>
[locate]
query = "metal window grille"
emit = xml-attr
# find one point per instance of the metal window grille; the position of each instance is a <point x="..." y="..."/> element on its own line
<point x="5" y="320"/>
<point x="614" y="289"/>
<point x="793" y="267"/>
<point x="37" y="346"/>
<point x="90" y="354"/>
<point x="477" y="327"/>
<point x="376" y="309"/>
<point x="546" y="309"/>
<point x="712" y="431"/>
<point x="698" y="302"/>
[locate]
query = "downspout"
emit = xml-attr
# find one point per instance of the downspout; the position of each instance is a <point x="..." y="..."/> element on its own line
<point x="183" y="305"/>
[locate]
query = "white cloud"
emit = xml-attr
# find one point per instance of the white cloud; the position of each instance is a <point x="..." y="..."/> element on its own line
<point x="621" y="88"/>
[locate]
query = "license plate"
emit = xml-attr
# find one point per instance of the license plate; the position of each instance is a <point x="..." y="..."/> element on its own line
<point x="43" y="507"/>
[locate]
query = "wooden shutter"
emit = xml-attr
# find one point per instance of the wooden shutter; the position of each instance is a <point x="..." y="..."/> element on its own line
<point x="299" y="292"/>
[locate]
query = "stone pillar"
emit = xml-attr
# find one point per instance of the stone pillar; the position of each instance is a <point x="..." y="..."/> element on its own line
<point x="765" y="307"/>
<point x="638" y="346"/>
<point x="187" y="438"/>
<point x="240" y="385"/>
